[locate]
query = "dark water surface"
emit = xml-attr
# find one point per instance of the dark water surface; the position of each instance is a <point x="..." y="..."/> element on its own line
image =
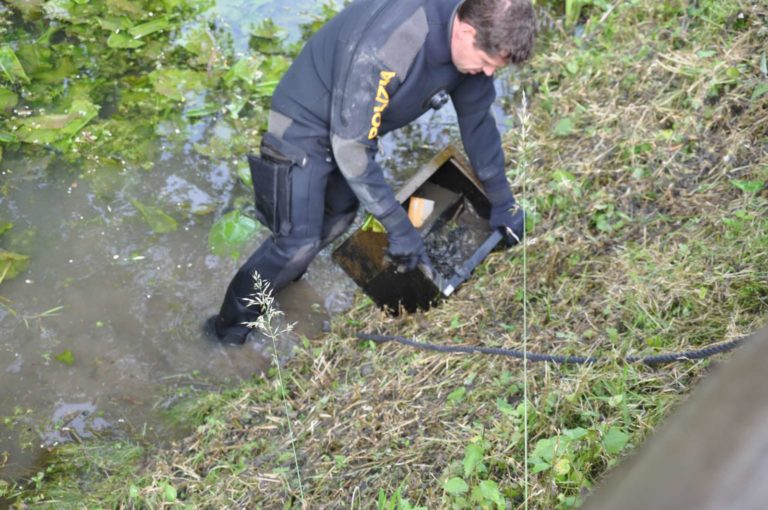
<point x="128" y="303"/>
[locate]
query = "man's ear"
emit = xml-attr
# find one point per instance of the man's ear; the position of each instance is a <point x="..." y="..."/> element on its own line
<point x="466" y="30"/>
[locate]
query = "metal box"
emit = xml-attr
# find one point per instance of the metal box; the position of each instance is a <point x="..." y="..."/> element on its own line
<point x="456" y="234"/>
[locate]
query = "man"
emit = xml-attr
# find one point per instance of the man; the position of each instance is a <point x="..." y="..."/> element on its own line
<point x="375" y="67"/>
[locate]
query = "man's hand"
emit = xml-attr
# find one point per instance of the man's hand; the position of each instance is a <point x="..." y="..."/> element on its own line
<point x="510" y="222"/>
<point x="406" y="247"/>
<point x="407" y="251"/>
<point x="506" y="215"/>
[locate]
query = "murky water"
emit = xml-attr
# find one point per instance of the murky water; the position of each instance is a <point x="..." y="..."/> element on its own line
<point x="127" y="303"/>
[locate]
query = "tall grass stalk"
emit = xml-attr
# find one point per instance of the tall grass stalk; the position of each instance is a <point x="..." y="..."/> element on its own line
<point x="269" y="324"/>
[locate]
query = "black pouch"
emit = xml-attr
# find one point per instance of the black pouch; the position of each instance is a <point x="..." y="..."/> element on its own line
<point x="271" y="174"/>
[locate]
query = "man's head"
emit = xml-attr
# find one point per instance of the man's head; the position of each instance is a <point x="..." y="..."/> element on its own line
<point x="488" y="34"/>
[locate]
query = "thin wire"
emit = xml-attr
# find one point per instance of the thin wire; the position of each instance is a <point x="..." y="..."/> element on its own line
<point x="523" y="142"/>
<point x="287" y="418"/>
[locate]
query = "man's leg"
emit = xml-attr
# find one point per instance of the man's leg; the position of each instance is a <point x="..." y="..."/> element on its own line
<point x="283" y="258"/>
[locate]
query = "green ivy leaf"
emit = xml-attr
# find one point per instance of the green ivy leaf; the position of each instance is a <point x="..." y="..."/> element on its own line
<point x="160" y="222"/>
<point x="615" y="440"/>
<point x="229" y="233"/>
<point x="455" y="486"/>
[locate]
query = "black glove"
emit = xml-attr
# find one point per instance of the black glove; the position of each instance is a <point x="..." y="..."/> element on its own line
<point x="510" y="222"/>
<point x="506" y="216"/>
<point x="406" y="247"/>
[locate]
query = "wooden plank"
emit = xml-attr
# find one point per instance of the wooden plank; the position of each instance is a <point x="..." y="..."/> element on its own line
<point x="711" y="454"/>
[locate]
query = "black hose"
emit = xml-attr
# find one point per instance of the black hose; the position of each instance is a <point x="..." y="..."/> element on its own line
<point x="659" y="359"/>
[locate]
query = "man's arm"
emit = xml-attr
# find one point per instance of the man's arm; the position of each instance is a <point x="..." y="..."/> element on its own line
<point x="482" y="142"/>
<point x="364" y="82"/>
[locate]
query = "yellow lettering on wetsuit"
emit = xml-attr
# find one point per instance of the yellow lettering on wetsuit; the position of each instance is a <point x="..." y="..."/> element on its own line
<point x="382" y="101"/>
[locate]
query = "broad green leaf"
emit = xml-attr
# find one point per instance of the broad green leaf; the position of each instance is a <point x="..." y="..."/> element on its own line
<point x="114" y="23"/>
<point x="5" y="227"/>
<point x="64" y="69"/>
<point x="132" y="9"/>
<point x="244" y="173"/>
<point x="545" y="449"/>
<point x="174" y="83"/>
<point x="10" y="67"/>
<point x="575" y="434"/>
<point x="123" y="40"/>
<point x="564" y="127"/>
<point x="8" y="100"/>
<point x="160" y="222"/>
<point x="539" y="467"/>
<point x="247" y="69"/>
<point x="455" y="486"/>
<point x="229" y="233"/>
<point x="489" y="491"/>
<point x="11" y="264"/>
<point x="28" y="8"/>
<point x="200" y="42"/>
<point x="8" y="137"/>
<point x="473" y="458"/>
<point x="45" y="129"/>
<point x="615" y="440"/>
<point x="150" y="27"/>
<point x="750" y="187"/>
<point x="58" y="9"/>
<point x="66" y="357"/>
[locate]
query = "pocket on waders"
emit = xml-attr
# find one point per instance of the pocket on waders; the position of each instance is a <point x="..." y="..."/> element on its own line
<point x="271" y="174"/>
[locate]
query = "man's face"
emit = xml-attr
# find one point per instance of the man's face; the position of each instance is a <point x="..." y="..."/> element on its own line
<point x="468" y="58"/>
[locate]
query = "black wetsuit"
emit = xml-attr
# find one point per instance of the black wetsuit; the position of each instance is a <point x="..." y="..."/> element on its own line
<point x="373" y="68"/>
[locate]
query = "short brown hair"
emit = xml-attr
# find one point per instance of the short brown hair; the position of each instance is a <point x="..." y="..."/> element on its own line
<point x="505" y="28"/>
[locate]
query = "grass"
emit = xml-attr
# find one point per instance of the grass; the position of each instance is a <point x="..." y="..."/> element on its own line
<point x="645" y="164"/>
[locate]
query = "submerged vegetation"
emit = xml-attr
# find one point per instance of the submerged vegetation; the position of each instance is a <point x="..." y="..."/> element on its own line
<point x="641" y="156"/>
<point x="107" y="88"/>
